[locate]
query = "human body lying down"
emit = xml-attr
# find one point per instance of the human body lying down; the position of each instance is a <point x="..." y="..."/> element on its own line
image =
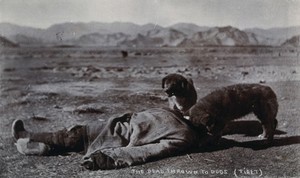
<point x="130" y="139"/>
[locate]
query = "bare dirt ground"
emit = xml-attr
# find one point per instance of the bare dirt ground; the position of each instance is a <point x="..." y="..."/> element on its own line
<point x="53" y="88"/>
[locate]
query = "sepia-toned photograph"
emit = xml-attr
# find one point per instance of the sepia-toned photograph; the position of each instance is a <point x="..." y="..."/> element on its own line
<point x="149" y="88"/>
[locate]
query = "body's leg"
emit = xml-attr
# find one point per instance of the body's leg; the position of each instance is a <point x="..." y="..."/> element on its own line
<point x="127" y="156"/>
<point x="66" y="140"/>
<point x="73" y="139"/>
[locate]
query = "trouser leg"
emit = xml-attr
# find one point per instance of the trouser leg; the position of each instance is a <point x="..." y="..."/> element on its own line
<point x="74" y="139"/>
<point x="128" y="156"/>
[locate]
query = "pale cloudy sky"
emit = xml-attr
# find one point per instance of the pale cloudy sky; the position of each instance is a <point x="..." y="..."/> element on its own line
<point x="238" y="13"/>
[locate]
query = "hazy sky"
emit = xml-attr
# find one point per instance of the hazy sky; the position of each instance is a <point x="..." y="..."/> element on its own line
<point x="238" y="13"/>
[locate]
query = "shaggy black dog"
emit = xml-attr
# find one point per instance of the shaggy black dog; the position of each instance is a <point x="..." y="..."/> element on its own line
<point x="181" y="92"/>
<point x="223" y="105"/>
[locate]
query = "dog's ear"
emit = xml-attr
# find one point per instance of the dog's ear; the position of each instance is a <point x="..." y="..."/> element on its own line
<point x="191" y="81"/>
<point x="184" y="84"/>
<point x="163" y="82"/>
<point x="205" y="119"/>
<point x="190" y="84"/>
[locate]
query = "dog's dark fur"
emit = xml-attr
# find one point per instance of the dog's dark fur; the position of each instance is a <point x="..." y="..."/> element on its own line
<point x="223" y="105"/>
<point x="181" y="92"/>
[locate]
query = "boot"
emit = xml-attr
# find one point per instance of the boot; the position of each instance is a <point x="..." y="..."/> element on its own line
<point x="23" y="143"/>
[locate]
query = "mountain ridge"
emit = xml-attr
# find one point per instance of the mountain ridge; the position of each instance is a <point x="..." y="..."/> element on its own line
<point x="131" y="34"/>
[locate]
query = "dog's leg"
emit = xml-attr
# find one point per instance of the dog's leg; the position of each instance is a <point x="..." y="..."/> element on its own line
<point x="266" y="113"/>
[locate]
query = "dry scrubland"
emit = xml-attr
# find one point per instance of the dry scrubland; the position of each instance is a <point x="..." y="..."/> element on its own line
<point x="53" y="88"/>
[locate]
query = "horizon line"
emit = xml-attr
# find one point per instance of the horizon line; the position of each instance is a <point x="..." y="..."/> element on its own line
<point x="78" y="22"/>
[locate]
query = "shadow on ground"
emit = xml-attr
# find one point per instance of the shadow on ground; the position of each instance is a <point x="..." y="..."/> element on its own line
<point x="248" y="128"/>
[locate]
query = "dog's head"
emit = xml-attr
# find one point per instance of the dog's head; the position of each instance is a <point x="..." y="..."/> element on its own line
<point x="175" y="85"/>
<point x="200" y="118"/>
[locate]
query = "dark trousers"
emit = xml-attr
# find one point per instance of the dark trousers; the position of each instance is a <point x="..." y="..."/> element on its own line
<point x="75" y="139"/>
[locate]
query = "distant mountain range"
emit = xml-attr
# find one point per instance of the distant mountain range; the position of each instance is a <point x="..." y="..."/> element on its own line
<point x="227" y="36"/>
<point x="149" y="35"/>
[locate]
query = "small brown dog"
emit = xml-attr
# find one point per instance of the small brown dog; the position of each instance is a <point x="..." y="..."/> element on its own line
<point x="181" y="92"/>
<point x="223" y="105"/>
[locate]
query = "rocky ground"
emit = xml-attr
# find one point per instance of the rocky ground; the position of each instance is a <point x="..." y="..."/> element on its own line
<point x="53" y="88"/>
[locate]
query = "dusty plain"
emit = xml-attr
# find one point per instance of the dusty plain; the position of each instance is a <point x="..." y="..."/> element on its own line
<point x="54" y="88"/>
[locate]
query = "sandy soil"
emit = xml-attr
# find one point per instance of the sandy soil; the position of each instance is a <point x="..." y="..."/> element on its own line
<point x="52" y="88"/>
